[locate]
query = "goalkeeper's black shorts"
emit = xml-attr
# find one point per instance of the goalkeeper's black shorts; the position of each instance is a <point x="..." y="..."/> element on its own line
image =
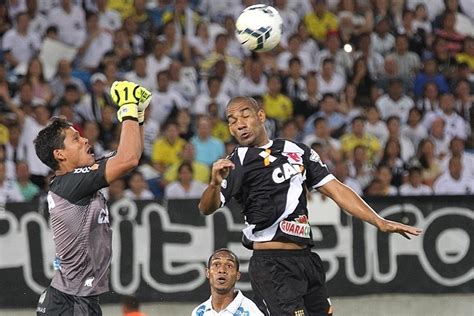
<point x="289" y="282"/>
<point x="54" y="302"/>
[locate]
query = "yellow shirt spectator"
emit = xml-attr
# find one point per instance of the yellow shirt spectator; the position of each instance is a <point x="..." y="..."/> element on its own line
<point x="124" y="7"/>
<point x="278" y="107"/>
<point x="319" y="26"/>
<point x="4" y="134"/>
<point x="466" y="58"/>
<point x="350" y="141"/>
<point x="220" y="130"/>
<point x="166" y="153"/>
<point x="201" y="172"/>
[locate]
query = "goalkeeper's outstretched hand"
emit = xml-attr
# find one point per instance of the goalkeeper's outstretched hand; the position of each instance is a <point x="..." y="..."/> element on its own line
<point x="131" y="99"/>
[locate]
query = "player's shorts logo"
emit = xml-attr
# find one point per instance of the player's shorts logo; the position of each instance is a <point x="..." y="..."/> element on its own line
<point x="89" y="282"/>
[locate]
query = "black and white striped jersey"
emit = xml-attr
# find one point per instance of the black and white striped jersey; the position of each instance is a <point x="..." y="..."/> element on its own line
<point x="269" y="182"/>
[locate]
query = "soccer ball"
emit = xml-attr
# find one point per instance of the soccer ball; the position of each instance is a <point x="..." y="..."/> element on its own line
<point x="258" y="28"/>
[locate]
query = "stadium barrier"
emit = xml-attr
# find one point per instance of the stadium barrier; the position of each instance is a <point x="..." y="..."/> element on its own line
<point x="160" y="251"/>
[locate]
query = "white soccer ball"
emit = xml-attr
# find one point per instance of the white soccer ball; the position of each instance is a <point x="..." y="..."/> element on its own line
<point x="259" y="28"/>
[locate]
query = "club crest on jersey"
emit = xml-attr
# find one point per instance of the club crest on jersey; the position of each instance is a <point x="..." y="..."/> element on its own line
<point x="285" y="172"/>
<point x="298" y="227"/>
<point x="294" y="158"/>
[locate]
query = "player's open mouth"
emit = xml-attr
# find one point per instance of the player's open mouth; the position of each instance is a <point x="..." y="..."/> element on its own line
<point x="90" y="151"/>
<point x="245" y="134"/>
<point x="221" y="280"/>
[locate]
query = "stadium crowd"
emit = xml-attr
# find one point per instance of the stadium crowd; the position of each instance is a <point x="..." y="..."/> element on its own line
<point x="381" y="89"/>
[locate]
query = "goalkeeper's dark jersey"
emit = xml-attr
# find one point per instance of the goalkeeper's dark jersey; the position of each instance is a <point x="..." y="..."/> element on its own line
<point x="81" y="231"/>
<point x="269" y="182"/>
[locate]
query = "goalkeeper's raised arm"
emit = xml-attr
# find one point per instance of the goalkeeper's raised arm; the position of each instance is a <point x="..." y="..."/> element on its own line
<point x="132" y="101"/>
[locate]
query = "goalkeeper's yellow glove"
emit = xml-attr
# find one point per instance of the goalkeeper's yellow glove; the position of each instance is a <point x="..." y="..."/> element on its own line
<point x="145" y="100"/>
<point x="127" y="96"/>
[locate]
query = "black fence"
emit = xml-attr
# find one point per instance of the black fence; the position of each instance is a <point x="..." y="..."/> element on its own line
<point x="160" y="252"/>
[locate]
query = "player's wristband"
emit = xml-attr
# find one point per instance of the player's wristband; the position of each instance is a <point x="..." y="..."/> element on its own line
<point x="127" y="112"/>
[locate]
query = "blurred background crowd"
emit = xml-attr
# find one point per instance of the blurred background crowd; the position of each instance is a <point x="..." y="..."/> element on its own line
<point x="381" y="89"/>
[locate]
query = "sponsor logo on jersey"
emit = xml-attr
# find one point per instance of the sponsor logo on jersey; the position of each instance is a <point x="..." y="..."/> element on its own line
<point x="298" y="227"/>
<point x="285" y="172"/>
<point x="103" y="216"/>
<point x="89" y="282"/>
<point x="83" y="170"/>
<point x="241" y="312"/>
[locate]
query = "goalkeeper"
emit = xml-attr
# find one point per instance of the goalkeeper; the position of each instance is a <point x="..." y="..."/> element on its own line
<point x="78" y="210"/>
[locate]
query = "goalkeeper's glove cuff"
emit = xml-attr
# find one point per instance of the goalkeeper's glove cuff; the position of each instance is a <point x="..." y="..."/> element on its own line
<point x="128" y="112"/>
<point x="141" y="117"/>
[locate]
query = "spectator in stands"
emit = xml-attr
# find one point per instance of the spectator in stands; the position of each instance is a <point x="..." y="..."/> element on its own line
<point x="392" y="159"/>
<point x="276" y="105"/>
<point x="137" y="43"/>
<point x="185" y="124"/>
<point x="384" y="175"/>
<point x="140" y="73"/>
<point x="467" y="53"/>
<point x="448" y="32"/>
<point x="35" y="77"/>
<point x="109" y="128"/>
<point x="137" y="187"/>
<point x="375" y="61"/>
<point x="109" y="19"/>
<point x="413" y="129"/>
<point x="328" y="80"/>
<point x="382" y="41"/>
<point x="430" y="73"/>
<point x="320" y="21"/>
<point x="5" y="21"/>
<point x="358" y="137"/>
<point x="91" y="105"/>
<point x="201" y="171"/>
<point x="457" y="149"/>
<point x="374" y="188"/>
<point x="255" y="82"/>
<point x="455" y="124"/>
<point x="349" y="103"/>
<point x="115" y="191"/>
<point x="390" y="71"/>
<point x="219" y="128"/>
<point x="185" y="187"/>
<point x="165" y="100"/>
<point x="289" y="130"/>
<point x="406" y="146"/>
<point x="455" y="180"/>
<point x="446" y="61"/>
<point x="208" y="148"/>
<point x="200" y="42"/>
<point x="429" y="102"/>
<point x="289" y="17"/>
<point x="19" y="44"/>
<point x="415" y="186"/>
<point x="10" y="168"/>
<point x="98" y="42"/>
<point x="70" y="21"/>
<point x="395" y="102"/>
<point x="408" y="62"/>
<point x="336" y="121"/>
<point x="294" y="50"/>
<point x="9" y="191"/>
<point x="341" y="172"/>
<point x="62" y="78"/>
<point x="12" y="147"/>
<point x="294" y="85"/>
<point x="352" y="20"/>
<point x="28" y="189"/>
<point x="214" y="94"/>
<point x="184" y="79"/>
<point x="374" y="126"/>
<point x="308" y="44"/>
<point x="359" y="166"/>
<point x="30" y="125"/>
<point x="437" y="133"/>
<point x="158" y="61"/>
<point x="309" y="104"/>
<point x="427" y="160"/>
<point x="464" y="101"/>
<point x="343" y="61"/>
<point x="322" y="135"/>
<point x="362" y="81"/>
<point x="166" y="148"/>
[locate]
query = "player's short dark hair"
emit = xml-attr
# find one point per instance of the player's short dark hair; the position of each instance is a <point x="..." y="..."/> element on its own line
<point x="245" y="99"/>
<point x="50" y="138"/>
<point x="236" y="259"/>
